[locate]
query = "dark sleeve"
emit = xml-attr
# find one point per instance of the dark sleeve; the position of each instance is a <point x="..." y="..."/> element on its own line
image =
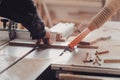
<point x="24" y="12"/>
<point x="0" y="1"/>
<point x="35" y="26"/>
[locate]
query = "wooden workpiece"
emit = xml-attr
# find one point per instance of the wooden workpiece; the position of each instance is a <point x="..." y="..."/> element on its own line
<point x="71" y="76"/>
<point x="30" y="43"/>
<point x="95" y="37"/>
<point x="26" y="43"/>
<point x="88" y="46"/>
<point x="95" y="40"/>
<point x="112" y="61"/>
<point x="103" y="52"/>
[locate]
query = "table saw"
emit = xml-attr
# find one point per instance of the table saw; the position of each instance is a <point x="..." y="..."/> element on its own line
<point x="46" y="63"/>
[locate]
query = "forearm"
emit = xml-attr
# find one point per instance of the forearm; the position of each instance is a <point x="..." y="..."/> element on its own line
<point x="35" y="26"/>
<point x="109" y="9"/>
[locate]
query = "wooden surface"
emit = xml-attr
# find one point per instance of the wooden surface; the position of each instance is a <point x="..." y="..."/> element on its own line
<point x="69" y="76"/>
<point x="21" y="42"/>
<point x="31" y="43"/>
<point x="112" y="61"/>
<point x="94" y="37"/>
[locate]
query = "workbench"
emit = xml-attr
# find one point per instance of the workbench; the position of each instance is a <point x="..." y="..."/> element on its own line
<point x="41" y="60"/>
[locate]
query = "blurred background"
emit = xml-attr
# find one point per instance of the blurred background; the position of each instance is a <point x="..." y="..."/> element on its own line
<point x="75" y="11"/>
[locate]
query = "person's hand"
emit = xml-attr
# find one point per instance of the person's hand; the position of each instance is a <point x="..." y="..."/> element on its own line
<point x="46" y="39"/>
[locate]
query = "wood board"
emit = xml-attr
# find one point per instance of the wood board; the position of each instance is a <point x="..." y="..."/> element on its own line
<point x="31" y="43"/>
<point x="94" y="37"/>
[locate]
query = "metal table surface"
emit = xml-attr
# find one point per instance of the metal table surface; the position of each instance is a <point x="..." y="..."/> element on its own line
<point x="31" y="66"/>
<point x="9" y="54"/>
<point x="34" y="64"/>
<point x="74" y="61"/>
<point x="28" y="68"/>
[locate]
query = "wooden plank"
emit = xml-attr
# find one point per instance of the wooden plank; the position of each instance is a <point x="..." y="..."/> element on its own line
<point x="30" y="43"/>
<point x="88" y="46"/>
<point x="112" y="61"/>
<point x="95" y="40"/>
<point x="70" y="76"/>
<point x="26" y="43"/>
<point x="103" y="52"/>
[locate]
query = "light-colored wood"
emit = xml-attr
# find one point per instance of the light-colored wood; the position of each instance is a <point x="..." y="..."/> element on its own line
<point x="103" y="52"/>
<point x="47" y="13"/>
<point x="38" y="5"/>
<point x="30" y="43"/>
<point x="20" y="26"/>
<point x="112" y="61"/>
<point x="95" y="40"/>
<point x="1" y="24"/>
<point x="70" y="76"/>
<point x="88" y="46"/>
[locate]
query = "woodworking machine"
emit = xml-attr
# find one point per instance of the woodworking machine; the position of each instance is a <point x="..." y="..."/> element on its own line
<point x="10" y="27"/>
<point x="109" y="9"/>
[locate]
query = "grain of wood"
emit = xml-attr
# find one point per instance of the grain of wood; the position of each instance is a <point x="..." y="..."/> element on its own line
<point x="112" y="61"/>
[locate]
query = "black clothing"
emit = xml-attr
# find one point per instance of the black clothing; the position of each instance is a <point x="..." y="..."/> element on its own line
<point x="24" y="12"/>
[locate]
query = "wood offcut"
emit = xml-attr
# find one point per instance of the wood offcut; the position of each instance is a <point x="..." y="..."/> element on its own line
<point x="112" y="61"/>
<point x="95" y="41"/>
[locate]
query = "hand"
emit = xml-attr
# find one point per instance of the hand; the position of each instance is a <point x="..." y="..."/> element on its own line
<point x="46" y="39"/>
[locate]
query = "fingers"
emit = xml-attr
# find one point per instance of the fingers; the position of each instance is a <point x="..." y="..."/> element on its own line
<point x="43" y="41"/>
<point x="46" y="40"/>
<point x="38" y="42"/>
<point x="47" y="35"/>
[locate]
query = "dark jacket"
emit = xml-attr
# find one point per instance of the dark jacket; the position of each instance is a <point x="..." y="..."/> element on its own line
<point x="0" y="1"/>
<point x="24" y="12"/>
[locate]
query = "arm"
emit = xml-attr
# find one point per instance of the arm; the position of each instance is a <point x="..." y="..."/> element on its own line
<point x="24" y="12"/>
<point x="109" y="9"/>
